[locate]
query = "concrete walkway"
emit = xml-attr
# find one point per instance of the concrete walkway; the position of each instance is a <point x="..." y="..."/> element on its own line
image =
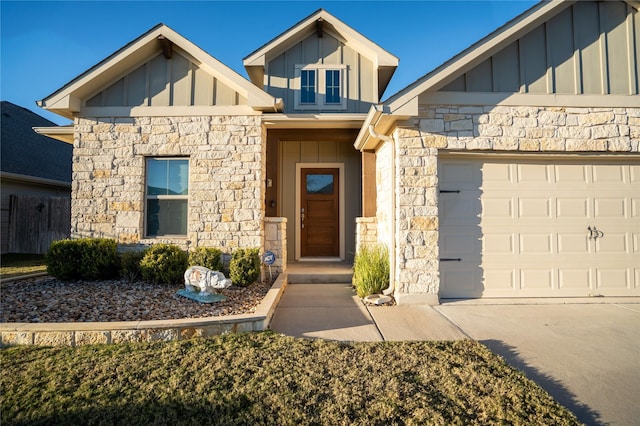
<point x="584" y="352"/>
<point x="334" y="312"/>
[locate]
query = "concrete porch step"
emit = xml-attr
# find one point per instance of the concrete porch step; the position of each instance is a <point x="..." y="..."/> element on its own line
<point x="315" y="278"/>
<point x="319" y="272"/>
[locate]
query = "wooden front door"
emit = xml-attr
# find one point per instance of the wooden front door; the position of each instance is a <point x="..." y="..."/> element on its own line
<point x="320" y="212"/>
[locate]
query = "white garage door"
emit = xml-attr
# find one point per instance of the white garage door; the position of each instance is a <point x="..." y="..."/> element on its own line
<point x="539" y="228"/>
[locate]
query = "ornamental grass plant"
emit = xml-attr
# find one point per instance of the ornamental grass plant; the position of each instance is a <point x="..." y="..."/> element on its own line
<point x="371" y="270"/>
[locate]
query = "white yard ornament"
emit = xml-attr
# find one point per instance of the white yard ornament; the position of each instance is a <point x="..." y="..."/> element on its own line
<point x="199" y="278"/>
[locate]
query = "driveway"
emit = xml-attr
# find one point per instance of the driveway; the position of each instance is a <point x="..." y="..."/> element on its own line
<point x="585" y="353"/>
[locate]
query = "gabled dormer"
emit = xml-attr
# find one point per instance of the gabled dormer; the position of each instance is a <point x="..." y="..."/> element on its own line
<point x="321" y="65"/>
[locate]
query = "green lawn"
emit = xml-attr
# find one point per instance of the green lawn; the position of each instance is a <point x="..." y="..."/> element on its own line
<point x="12" y="265"/>
<point x="264" y="378"/>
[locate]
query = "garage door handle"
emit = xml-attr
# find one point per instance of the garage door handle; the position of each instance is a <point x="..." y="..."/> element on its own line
<point x="450" y="259"/>
<point x="594" y="233"/>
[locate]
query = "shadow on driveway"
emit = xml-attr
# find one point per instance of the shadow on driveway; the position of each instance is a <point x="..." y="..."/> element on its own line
<point x="554" y="387"/>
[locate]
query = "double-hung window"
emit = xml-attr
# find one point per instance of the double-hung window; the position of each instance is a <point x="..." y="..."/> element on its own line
<point x="321" y="87"/>
<point x="167" y="196"/>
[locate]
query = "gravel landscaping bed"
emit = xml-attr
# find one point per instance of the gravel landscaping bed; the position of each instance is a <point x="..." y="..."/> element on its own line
<point x="46" y="299"/>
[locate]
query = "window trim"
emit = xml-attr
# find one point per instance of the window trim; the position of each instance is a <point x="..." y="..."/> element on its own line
<point x="321" y="87"/>
<point x="148" y="197"/>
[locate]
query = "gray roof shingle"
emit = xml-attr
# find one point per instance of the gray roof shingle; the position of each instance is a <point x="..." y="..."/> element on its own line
<point x="25" y="152"/>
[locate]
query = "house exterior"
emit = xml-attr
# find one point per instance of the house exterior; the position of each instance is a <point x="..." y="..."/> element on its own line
<point x="510" y="171"/>
<point x="35" y="175"/>
<point x="514" y="167"/>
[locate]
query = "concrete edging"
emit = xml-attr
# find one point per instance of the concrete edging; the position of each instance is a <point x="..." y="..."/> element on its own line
<point x="83" y="333"/>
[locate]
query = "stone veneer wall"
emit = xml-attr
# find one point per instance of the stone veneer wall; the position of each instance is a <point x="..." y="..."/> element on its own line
<point x="275" y="240"/>
<point x="482" y="128"/>
<point x="366" y="231"/>
<point x="226" y="177"/>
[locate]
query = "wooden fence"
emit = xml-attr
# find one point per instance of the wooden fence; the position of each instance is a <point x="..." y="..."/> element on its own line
<point x="35" y="222"/>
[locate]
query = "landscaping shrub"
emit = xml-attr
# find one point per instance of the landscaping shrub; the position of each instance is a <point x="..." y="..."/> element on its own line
<point x="164" y="264"/>
<point x="130" y="264"/>
<point x="244" y="268"/>
<point x="99" y="259"/>
<point x="209" y="257"/>
<point x="85" y="258"/>
<point x="371" y="269"/>
<point x="63" y="259"/>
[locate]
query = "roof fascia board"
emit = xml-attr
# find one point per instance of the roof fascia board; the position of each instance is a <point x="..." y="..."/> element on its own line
<point x="342" y="31"/>
<point x="35" y="179"/>
<point x="373" y="116"/>
<point x="479" y="51"/>
<point x="255" y="96"/>
<point x="61" y="133"/>
<point x="100" y="67"/>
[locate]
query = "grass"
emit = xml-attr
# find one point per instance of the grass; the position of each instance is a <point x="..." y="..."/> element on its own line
<point x="13" y="265"/>
<point x="264" y="378"/>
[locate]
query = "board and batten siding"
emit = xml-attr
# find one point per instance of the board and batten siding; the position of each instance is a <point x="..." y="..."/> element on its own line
<point x="280" y="80"/>
<point x="177" y="81"/>
<point x="310" y="151"/>
<point x="588" y="48"/>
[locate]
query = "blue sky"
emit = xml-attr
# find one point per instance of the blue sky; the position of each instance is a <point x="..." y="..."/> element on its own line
<point x="45" y="44"/>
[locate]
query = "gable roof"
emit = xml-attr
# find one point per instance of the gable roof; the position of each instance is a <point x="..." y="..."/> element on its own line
<point x="404" y="104"/>
<point x="28" y="154"/>
<point x="67" y="100"/>
<point x="476" y="53"/>
<point x="385" y="62"/>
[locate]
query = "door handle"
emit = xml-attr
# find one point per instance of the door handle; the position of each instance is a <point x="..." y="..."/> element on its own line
<point x="594" y="233"/>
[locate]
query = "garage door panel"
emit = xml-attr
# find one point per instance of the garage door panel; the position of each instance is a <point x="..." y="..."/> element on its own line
<point x="610" y="208"/>
<point x="497" y="174"/>
<point x="608" y="173"/>
<point x="613" y="243"/>
<point x="534" y="173"/>
<point x="613" y="278"/>
<point x="573" y="243"/>
<point x="529" y="220"/>
<point x="456" y="207"/>
<point x="571" y="207"/>
<point x="574" y="279"/>
<point x="536" y="279"/>
<point x="462" y="175"/>
<point x="498" y="244"/>
<point x="501" y="280"/>
<point x="461" y="245"/>
<point x="571" y="174"/>
<point x="534" y="207"/>
<point x="465" y="282"/>
<point x="535" y="243"/>
<point x="497" y="208"/>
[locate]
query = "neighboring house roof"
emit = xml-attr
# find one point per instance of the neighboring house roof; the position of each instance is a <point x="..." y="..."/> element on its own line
<point x="68" y="99"/>
<point x="26" y="154"/>
<point x="321" y="20"/>
<point x="404" y="104"/>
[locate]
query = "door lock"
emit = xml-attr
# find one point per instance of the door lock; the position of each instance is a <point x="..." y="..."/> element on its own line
<point x="594" y="233"/>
